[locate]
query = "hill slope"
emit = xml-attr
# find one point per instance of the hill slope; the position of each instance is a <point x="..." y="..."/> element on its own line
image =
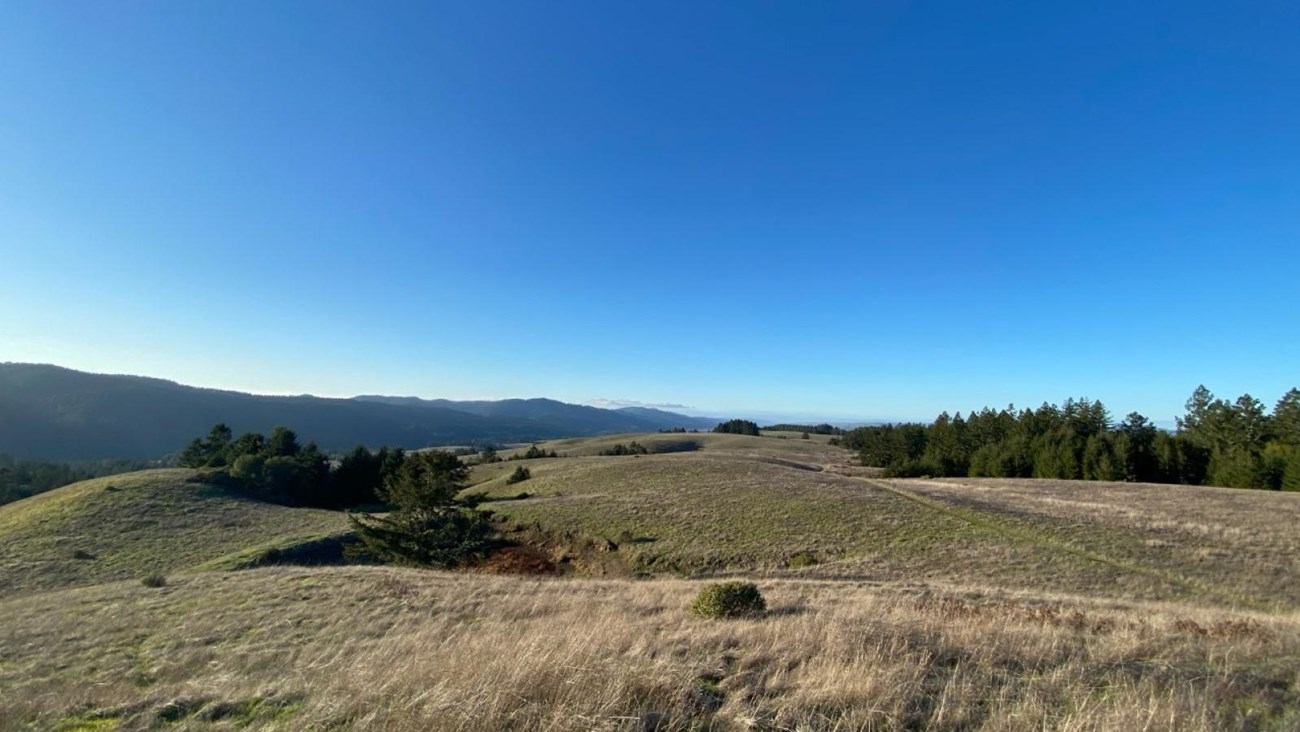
<point x="943" y="605"/>
<point x="359" y="648"/>
<point x="761" y="503"/>
<point x="54" y="413"/>
<point x="127" y="526"/>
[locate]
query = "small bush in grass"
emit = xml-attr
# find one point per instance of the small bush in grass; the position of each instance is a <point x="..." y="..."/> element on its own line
<point x="520" y="475"/>
<point x="729" y="600"/>
<point x="801" y="560"/>
<point x="153" y="580"/>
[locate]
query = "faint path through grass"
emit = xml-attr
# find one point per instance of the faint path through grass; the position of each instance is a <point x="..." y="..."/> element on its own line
<point x="1041" y="539"/>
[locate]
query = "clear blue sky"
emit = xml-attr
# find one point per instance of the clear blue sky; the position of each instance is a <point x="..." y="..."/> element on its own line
<point x="862" y="210"/>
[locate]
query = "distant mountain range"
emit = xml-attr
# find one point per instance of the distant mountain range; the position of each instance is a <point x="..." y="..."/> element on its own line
<point x="54" y="413"/>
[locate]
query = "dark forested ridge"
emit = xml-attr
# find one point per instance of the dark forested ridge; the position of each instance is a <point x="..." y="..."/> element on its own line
<point x="53" y="413"/>
<point x="581" y="419"/>
<point x="1218" y="442"/>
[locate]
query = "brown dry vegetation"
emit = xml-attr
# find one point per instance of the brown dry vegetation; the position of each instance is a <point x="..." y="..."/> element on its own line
<point x="376" y="648"/>
<point x="894" y="605"/>
<point x="1221" y="544"/>
<point x="745" y="504"/>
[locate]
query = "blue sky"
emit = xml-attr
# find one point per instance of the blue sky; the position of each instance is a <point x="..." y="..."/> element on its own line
<point x="859" y="210"/>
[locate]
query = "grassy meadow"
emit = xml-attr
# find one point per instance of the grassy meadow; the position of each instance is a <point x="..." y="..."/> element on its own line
<point x="952" y="604"/>
<point x="132" y="525"/>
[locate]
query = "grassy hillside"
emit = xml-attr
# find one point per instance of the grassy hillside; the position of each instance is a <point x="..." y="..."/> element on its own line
<point x="813" y="452"/>
<point x="893" y="604"/>
<point x="380" y="648"/>
<point x="742" y="504"/>
<point x="126" y="526"/>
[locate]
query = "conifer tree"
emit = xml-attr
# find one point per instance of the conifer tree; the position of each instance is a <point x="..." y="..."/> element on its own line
<point x="431" y="525"/>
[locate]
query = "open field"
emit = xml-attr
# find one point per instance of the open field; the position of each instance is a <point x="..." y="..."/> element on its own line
<point x="893" y="604"/>
<point x="791" y="435"/>
<point x="746" y="504"/>
<point x="813" y="451"/>
<point x="381" y="648"/>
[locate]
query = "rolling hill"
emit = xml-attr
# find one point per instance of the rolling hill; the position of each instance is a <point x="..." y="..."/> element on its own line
<point x="892" y="604"/>
<point x="743" y="504"/>
<point x="127" y="526"/>
<point x="54" y="413"/>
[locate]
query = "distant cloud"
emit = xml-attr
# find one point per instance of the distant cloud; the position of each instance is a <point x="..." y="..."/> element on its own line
<point x="620" y="403"/>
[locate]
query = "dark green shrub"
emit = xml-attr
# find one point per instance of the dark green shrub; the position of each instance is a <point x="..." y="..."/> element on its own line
<point x="153" y="580"/>
<point x="666" y="446"/>
<point x="632" y="448"/>
<point x="534" y="453"/>
<point x="734" y="599"/>
<point x="520" y="475"/>
<point x="912" y="469"/>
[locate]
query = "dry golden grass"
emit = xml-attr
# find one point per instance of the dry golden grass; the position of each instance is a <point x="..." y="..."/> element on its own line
<point x="380" y="648"/>
<point x="1238" y="545"/>
<point x="934" y="605"/>
<point x="746" y="504"/>
<point x="810" y="451"/>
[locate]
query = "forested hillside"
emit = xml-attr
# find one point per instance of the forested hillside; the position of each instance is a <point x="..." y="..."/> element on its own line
<point x="53" y="413"/>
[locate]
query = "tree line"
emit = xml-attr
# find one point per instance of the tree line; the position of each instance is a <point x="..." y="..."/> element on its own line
<point x="738" y="427"/>
<point x="816" y="429"/>
<point x="423" y="520"/>
<point x="1217" y="442"/>
<point x="278" y="468"/>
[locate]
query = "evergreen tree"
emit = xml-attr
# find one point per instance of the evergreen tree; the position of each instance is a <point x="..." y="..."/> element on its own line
<point x="283" y="442"/>
<point x="1286" y="419"/>
<point x="1137" y="449"/>
<point x="1291" y="475"/>
<point x="357" y="479"/>
<point x="210" y="452"/>
<point x="430" y="526"/>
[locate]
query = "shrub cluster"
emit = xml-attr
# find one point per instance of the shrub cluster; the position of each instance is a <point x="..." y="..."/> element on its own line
<point x="734" y="599"/>
<point x="632" y="448"/>
<point x="533" y="453"/>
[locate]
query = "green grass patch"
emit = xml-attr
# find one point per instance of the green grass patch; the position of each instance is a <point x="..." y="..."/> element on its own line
<point x="139" y="524"/>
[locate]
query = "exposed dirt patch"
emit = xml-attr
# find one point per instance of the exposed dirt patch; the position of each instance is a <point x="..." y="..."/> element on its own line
<point x="518" y="560"/>
<point x="533" y="550"/>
